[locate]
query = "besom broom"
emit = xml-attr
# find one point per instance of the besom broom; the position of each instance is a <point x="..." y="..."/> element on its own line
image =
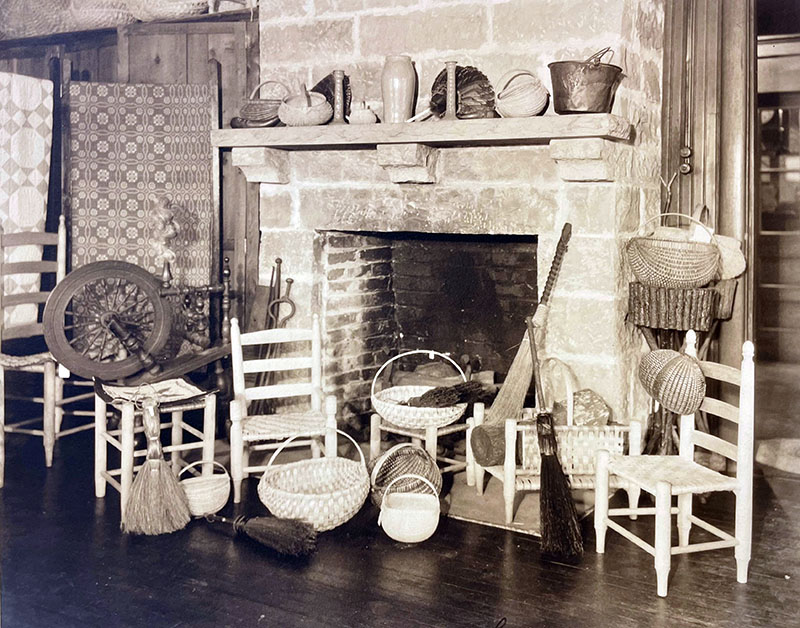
<point x="157" y="503"/>
<point x="291" y="537"/>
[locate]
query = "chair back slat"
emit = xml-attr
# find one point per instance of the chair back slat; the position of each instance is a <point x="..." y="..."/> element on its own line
<point x="26" y="238"/>
<point x="715" y="444"/>
<point x="721" y="372"/>
<point x="720" y="408"/>
<point x="29" y="268"/>
<point x="278" y="391"/>
<point x="25" y="298"/>
<point x="272" y="336"/>
<point x="22" y="331"/>
<point x="273" y="365"/>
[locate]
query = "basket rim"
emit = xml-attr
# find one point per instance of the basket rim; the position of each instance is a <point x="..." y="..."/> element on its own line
<point x="276" y="472"/>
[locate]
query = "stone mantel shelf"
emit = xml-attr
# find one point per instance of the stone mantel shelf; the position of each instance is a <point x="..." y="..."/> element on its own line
<point x="407" y="150"/>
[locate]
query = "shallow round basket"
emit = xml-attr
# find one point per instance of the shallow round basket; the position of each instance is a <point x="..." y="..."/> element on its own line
<point x="206" y="494"/>
<point x="410" y="517"/>
<point x="521" y="95"/>
<point x="294" y="110"/>
<point x="390" y="402"/>
<point x="407" y="460"/>
<point x="325" y="492"/>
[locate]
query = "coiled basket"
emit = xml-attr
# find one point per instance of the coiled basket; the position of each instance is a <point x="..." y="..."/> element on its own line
<point x="325" y="492"/>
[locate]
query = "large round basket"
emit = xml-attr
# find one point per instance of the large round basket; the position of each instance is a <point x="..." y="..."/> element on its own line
<point x="326" y="492"/>
<point x="673" y="263"/>
<point x="390" y="402"/>
<point x="206" y="494"/>
<point x="407" y="461"/>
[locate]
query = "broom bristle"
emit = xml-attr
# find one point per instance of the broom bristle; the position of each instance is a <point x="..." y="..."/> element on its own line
<point x="561" y="534"/>
<point x="157" y="503"/>
<point x="292" y="537"/>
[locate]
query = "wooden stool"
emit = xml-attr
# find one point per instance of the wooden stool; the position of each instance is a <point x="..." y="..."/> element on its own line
<point x="175" y="397"/>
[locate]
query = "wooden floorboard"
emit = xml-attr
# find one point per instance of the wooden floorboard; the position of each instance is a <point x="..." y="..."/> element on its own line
<point x="65" y="563"/>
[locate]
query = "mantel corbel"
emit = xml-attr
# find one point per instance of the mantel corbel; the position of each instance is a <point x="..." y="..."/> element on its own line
<point x="588" y="160"/>
<point x="260" y="164"/>
<point x="408" y="163"/>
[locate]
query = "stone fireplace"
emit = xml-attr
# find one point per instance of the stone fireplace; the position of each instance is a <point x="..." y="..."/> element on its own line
<point x="498" y="181"/>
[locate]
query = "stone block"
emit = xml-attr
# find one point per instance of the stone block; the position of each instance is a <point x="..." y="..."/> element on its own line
<point x="460" y="27"/>
<point x="322" y="7"/>
<point x="601" y="208"/>
<point x="592" y="265"/>
<point x="408" y="163"/>
<point x="261" y="165"/>
<point x="526" y="164"/>
<point x="356" y="166"/>
<point x="521" y="21"/>
<point x="307" y="41"/>
<point x="270" y="9"/>
<point x="275" y="208"/>
<point x="294" y="247"/>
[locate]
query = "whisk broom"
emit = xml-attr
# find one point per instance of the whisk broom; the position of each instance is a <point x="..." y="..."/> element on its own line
<point x="291" y="537"/>
<point x="157" y="503"/>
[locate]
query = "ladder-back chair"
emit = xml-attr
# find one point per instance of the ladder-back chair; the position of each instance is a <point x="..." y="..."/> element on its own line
<point x="679" y="475"/>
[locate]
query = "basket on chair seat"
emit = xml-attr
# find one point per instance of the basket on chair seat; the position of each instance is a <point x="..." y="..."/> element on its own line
<point x="326" y="492"/>
<point x="390" y="402"/>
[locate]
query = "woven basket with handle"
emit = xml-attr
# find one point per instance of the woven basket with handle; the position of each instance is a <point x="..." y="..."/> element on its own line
<point x="404" y="459"/>
<point x="390" y="402"/>
<point x="206" y="494"/>
<point x="326" y="492"/>
<point x="673" y="263"/>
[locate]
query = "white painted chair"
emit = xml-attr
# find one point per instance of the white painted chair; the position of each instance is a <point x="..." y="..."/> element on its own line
<point x="577" y="447"/>
<point x="22" y="326"/>
<point x="121" y="437"/>
<point x="668" y="476"/>
<point x="294" y="364"/>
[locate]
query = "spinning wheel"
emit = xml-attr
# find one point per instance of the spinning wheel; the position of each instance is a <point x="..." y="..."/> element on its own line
<point x="106" y="320"/>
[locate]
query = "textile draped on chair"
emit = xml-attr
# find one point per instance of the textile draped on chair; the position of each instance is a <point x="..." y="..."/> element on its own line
<point x="130" y="146"/>
<point x="26" y="129"/>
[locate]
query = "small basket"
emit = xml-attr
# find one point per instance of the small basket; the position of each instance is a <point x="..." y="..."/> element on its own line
<point x="148" y="10"/>
<point x="674" y="379"/>
<point x="521" y="95"/>
<point x="407" y="460"/>
<point x="673" y="263"/>
<point x="326" y="492"/>
<point x="206" y="494"/>
<point x="297" y="111"/>
<point x="262" y="109"/>
<point x="410" y="517"/>
<point x="389" y="402"/>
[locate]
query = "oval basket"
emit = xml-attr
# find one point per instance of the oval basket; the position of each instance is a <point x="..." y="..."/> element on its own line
<point x="674" y="379"/>
<point x="673" y="263"/>
<point x="389" y="403"/>
<point x="404" y="459"/>
<point x="206" y="494"/>
<point x="410" y="517"/>
<point x="262" y="109"/>
<point x="326" y="492"/>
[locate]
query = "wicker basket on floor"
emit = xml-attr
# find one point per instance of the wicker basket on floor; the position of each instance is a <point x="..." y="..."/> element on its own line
<point x="390" y="403"/>
<point x="326" y="492"/>
<point x="206" y="494"/>
<point x="404" y="459"/>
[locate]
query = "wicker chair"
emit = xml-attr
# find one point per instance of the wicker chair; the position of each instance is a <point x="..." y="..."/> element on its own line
<point x="665" y="476"/>
<point x="253" y="429"/>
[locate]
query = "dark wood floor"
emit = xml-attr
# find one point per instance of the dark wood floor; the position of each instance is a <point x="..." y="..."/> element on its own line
<point x="65" y="563"/>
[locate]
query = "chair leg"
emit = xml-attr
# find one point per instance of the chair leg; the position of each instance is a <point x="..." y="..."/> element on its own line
<point x="431" y="439"/>
<point x="100" y="446"/>
<point x="633" y="492"/>
<point x="59" y="402"/>
<point x="601" y="500"/>
<point x="663" y="553"/>
<point x="684" y="518"/>
<point x="177" y="439"/>
<point x="331" y="437"/>
<point x="237" y="464"/>
<point x="743" y="533"/>
<point x="209" y="432"/>
<point x="49" y="412"/>
<point x="470" y="457"/>
<point x="2" y="426"/>
<point x="126" y="475"/>
<point x="374" y="436"/>
<point x="316" y="450"/>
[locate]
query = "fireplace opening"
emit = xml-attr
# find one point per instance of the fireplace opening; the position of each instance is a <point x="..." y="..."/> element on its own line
<point x="382" y="294"/>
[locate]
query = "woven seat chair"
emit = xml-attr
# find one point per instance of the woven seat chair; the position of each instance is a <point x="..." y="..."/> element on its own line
<point x="668" y="476"/>
<point x="283" y="365"/>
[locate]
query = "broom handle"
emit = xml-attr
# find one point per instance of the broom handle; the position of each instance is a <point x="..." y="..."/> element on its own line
<point x="555" y="266"/>
<point x="152" y="429"/>
<point x="537" y="374"/>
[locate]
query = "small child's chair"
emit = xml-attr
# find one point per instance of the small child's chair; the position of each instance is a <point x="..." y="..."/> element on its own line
<point x="668" y="476"/>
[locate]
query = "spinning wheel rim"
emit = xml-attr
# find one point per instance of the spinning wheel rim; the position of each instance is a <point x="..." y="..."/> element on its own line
<point x="137" y="291"/>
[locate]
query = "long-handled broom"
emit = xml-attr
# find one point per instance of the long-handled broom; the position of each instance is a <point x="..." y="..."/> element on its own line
<point x="157" y="503"/>
<point x="558" y="518"/>
<point x="292" y="537"/>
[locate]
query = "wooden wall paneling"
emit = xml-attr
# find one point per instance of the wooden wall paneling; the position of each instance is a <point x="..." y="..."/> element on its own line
<point x="158" y="58"/>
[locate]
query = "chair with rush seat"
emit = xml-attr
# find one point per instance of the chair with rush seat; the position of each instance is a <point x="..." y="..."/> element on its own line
<point x="668" y="476"/>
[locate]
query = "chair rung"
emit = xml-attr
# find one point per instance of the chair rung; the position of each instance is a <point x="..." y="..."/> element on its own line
<point x="702" y="547"/>
<point x="618" y="512"/>
<point x="75" y="430"/>
<point x="631" y="537"/>
<point x="112" y="481"/>
<point x="77" y="398"/>
<point x="712" y="529"/>
<point x="38" y="400"/>
<point x="182" y="447"/>
<point x="109" y="438"/>
<point x="192" y="430"/>
<point x="13" y="427"/>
